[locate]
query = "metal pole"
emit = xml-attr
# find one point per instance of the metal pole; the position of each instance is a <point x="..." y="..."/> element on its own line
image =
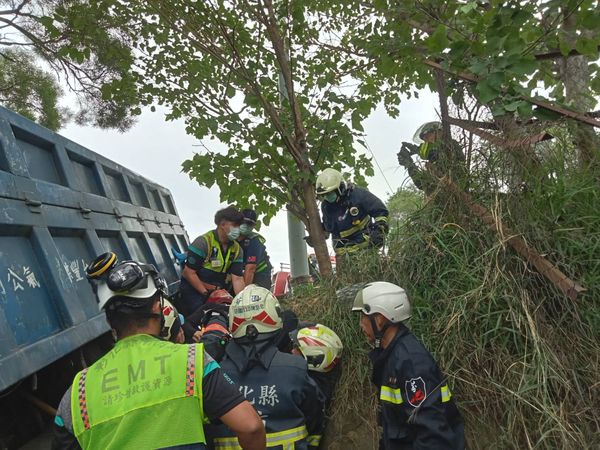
<point x="296" y="243"/>
<point x="297" y="246"/>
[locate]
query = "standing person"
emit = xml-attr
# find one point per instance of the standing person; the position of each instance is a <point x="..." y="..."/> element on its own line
<point x="276" y="383"/>
<point x="430" y="148"/>
<point x="257" y="265"/>
<point x="417" y="410"/>
<point x="210" y="258"/>
<point x="147" y="392"/>
<point x="355" y="218"/>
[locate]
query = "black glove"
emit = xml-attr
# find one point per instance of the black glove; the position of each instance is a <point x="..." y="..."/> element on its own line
<point x="405" y="153"/>
<point x="308" y="240"/>
<point x="377" y="232"/>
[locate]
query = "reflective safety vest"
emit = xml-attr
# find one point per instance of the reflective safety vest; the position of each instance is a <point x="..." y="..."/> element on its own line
<point x="286" y="439"/>
<point x="215" y="260"/>
<point x="145" y="393"/>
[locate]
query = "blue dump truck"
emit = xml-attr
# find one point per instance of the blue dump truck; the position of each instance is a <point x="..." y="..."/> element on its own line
<point x="60" y="206"/>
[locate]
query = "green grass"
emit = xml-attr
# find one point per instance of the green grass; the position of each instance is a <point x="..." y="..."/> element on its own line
<point x="523" y="361"/>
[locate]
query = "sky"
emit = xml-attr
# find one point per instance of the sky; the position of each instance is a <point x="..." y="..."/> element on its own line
<point x="155" y="149"/>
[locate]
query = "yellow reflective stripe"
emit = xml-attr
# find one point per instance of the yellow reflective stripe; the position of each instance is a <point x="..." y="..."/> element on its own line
<point x="391" y="395"/>
<point x="360" y="226"/>
<point x="314" y="440"/>
<point x="286" y="438"/>
<point x="381" y="219"/>
<point x="226" y="443"/>
<point x="446" y="394"/>
<point x="352" y="248"/>
<point x="424" y="150"/>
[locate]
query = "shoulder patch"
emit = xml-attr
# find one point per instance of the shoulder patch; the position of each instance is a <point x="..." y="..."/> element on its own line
<point x="416" y="391"/>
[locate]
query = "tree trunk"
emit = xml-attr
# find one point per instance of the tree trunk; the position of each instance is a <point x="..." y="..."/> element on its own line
<point x="315" y="229"/>
<point x="575" y="73"/>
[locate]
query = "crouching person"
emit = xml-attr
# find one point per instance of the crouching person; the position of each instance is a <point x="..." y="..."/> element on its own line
<point x="276" y="383"/>
<point x="417" y="409"/>
<point x="147" y="392"/>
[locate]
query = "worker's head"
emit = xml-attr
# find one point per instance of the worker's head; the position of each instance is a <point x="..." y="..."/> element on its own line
<point x="220" y="297"/>
<point x="381" y="305"/>
<point x="130" y="293"/>
<point x="330" y="185"/>
<point x="319" y="345"/>
<point x="173" y="324"/>
<point x="428" y="132"/>
<point x="228" y="221"/>
<point x="249" y="222"/>
<point x="254" y="311"/>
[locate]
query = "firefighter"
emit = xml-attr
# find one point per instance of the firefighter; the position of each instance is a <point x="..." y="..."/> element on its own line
<point x="147" y="392"/>
<point x="355" y="218"/>
<point x="430" y="148"/>
<point x="257" y="265"/>
<point x="322" y="349"/>
<point x="276" y="383"/>
<point x="417" y="409"/>
<point x="210" y="259"/>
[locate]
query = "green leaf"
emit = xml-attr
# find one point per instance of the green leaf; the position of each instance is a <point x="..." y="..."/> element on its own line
<point x="487" y="92"/>
<point x="587" y="47"/>
<point x="438" y="41"/>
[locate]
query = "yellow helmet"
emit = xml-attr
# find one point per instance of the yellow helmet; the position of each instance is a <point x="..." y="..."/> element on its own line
<point x="320" y="346"/>
<point x="257" y="307"/>
<point x="328" y="181"/>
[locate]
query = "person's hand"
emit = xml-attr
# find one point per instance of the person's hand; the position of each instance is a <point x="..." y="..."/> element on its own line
<point x="197" y="336"/>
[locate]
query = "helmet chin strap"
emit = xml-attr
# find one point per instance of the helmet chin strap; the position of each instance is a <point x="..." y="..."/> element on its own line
<point x="378" y="332"/>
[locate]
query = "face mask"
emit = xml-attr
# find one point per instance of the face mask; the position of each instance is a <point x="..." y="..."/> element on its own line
<point x="245" y="229"/>
<point x="234" y="233"/>
<point x="330" y="197"/>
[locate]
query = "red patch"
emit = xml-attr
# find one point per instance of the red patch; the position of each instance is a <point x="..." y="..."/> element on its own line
<point x="264" y="318"/>
<point x="309" y="341"/>
<point x="167" y="310"/>
<point x="251" y="259"/>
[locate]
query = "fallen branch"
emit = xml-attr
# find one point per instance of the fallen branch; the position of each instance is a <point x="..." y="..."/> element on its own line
<point x="561" y="281"/>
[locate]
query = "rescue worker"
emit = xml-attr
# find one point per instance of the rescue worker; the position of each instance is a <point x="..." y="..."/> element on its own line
<point x="210" y="258"/>
<point x="430" y="148"/>
<point x="276" y="383"/>
<point x="257" y="265"/>
<point x="355" y="218"/>
<point x="322" y="349"/>
<point x="209" y="324"/>
<point x="173" y="324"/>
<point x="417" y="410"/>
<point x="147" y="392"/>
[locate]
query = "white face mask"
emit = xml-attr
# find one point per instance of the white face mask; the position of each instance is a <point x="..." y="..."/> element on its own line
<point x="234" y="233"/>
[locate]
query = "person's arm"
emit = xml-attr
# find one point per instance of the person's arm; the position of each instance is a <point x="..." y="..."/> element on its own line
<point x="222" y="400"/>
<point x="313" y="407"/>
<point x="63" y="438"/>
<point x="245" y="422"/>
<point x="424" y="403"/>
<point x="196" y="255"/>
<point x="249" y="271"/>
<point x="237" y="273"/>
<point x="192" y="277"/>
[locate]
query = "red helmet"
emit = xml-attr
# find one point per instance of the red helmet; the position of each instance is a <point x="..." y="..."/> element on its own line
<point x="221" y="297"/>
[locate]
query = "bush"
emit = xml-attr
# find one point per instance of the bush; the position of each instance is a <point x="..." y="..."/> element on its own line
<point x="523" y="361"/>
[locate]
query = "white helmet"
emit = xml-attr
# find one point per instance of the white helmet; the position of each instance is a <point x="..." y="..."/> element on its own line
<point x="320" y="346"/>
<point x="427" y="127"/>
<point x="172" y="322"/>
<point x="328" y="181"/>
<point x="254" y="310"/>
<point x="384" y="298"/>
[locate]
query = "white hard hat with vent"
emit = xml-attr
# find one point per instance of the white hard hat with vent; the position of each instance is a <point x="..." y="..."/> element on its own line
<point x="384" y="298"/>
<point x="257" y="307"/>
